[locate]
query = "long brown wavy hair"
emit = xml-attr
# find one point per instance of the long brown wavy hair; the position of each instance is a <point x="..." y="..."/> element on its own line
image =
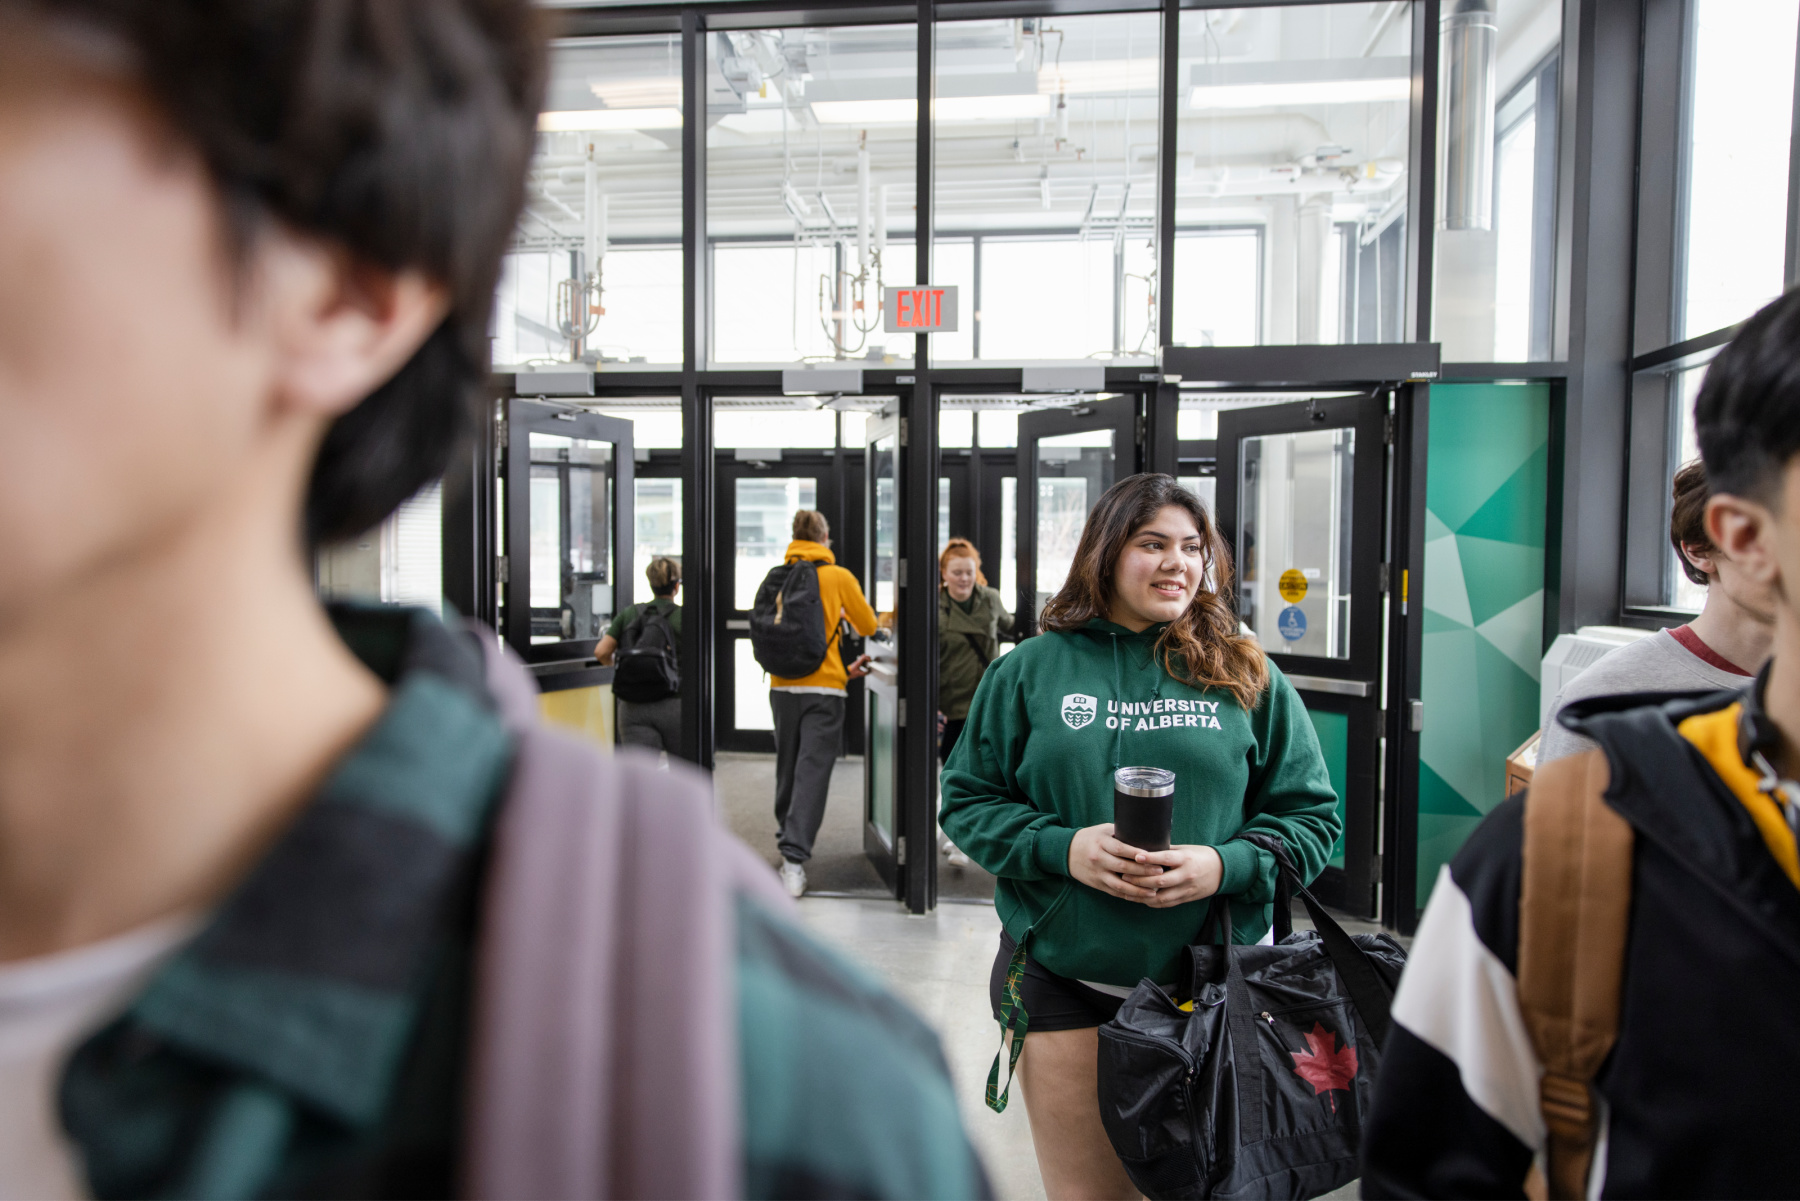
<point x="1202" y="647"/>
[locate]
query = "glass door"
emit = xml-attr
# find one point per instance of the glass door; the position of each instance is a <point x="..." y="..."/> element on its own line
<point x="1067" y="458"/>
<point x="757" y="502"/>
<point x="1301" y="504"/>
<point x="881" y="714"/>
<point x="569" y="526"/>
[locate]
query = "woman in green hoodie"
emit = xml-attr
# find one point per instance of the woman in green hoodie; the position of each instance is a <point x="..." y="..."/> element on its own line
<point x="1141" y="664"/>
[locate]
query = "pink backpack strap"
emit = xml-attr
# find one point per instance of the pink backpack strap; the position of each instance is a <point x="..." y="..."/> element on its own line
<point x="605" y="1053"/>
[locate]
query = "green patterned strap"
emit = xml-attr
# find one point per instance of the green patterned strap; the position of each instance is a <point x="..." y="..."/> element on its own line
<point x="1013" y="1022"/>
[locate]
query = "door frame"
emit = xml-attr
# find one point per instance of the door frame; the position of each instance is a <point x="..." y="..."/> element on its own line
<point x="1122" y="415"/>
<point x="882" y="686"/>
<point x="522" y="417"/>
<point x="1350" y="686"/>
<point x="731" y="622"/>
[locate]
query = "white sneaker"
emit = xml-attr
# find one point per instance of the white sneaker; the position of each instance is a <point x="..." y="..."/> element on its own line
<point x="793" y="878"/>
<point x="957" y="858"/>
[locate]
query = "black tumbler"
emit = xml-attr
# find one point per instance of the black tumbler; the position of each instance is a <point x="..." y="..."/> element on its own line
<point x="1143" y="807"/>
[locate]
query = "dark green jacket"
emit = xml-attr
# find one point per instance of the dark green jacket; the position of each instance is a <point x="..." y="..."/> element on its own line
<point x="311" y="1040"/>
<point x="1052" y="721"/>
<point x="618" y="625"/>
<point x="959" y="667"/>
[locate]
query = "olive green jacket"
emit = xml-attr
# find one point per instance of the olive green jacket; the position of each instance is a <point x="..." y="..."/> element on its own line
<point x="959" y="668"/>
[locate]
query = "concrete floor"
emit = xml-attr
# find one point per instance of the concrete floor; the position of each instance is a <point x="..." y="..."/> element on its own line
<point x="745" y="787"/>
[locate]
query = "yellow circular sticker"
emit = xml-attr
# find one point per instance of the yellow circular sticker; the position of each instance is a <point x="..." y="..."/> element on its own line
<point x="1292" y="586"/>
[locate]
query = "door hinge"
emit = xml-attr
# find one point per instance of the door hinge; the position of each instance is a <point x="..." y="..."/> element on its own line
<point x="903" y="431"/>
<point x="500" y="428"/>
<point x="1375" y="868"/>
<point x="900" y="713"/>
<point x="1416" y="710"/>
<point x="1387" y="429"/>
<point x="900" y="573"/>
<point x="1384" y="577"/>
<point x="900" y="850"/>
<point x="1140" y="427"/>
<point x="501" y="570"/>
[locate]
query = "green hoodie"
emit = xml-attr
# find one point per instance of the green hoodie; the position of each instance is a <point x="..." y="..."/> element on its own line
<point x="1050" y="723"/>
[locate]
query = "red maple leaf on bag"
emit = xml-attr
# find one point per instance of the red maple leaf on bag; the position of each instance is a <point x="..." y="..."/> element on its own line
<point x="1324" y="1066"/>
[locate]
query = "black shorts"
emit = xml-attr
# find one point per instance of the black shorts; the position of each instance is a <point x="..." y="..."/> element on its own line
<point x="1052" y="1002"/>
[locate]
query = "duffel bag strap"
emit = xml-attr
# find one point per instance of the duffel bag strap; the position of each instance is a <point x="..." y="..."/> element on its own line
<point x="1574" y="914"/>
<point x="1014" y="1022"/>
<point x="1368" y="992"/>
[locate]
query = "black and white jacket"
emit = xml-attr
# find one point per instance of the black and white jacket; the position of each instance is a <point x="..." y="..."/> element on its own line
<point x="1701" y="1094"/>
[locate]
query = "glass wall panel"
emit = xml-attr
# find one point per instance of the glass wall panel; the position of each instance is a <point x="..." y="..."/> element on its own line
<point x="1740" y="103"/>
<point x="765" y="522"/>
<point x="658" y="529"/>
<point x="767" y="424"/>
<point x="1291" y="168"/>
<point x="1046" y="133"/>
<point x="1495" y="244"/>
<point x="595" y="269"/>
<point x="810" y="150"/>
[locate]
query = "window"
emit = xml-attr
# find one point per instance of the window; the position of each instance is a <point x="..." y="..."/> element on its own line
<point x="1046" y="137"/>
<point x="1290" y="174"/>
<point x="809" y="166"/>
<point x="595" y="269"/>
<point x="1218" y="286"/>
<point x="1735" y="146"/>
<point x="1498" y="71"/>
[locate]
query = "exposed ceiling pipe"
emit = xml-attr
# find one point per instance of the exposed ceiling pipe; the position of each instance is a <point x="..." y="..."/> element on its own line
<point x="1470" y="47"/>
<point x="862" y="208"/>
<point x="1381" y="26"/>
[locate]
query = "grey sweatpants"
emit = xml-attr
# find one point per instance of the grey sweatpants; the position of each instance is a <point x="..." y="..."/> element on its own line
<point x="655" y="724"/>
<point x="808" y="729"/>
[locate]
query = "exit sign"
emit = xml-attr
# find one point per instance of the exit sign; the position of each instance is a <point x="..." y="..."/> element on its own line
<point x="919" y="310"/>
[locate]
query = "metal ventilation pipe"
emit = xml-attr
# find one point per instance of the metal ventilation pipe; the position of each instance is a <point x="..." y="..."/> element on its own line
<point x="1470" y="45"/>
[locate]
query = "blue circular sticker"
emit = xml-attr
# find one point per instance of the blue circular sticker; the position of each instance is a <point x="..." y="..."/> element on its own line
<point x="1292" y="623"/>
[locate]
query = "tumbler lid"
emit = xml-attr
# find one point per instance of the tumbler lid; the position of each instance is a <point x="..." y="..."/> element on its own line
<point x="1144" y="781"/>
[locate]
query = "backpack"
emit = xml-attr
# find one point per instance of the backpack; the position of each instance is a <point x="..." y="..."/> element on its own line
<point x="787" y="623"/>
<point x="1252" y="1077"/>
<point x="647" y="668"/>
<point x="1574" y="911"/>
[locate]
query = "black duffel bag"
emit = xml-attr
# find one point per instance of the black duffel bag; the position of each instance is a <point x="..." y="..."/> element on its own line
<point x="1251" y="1081"/>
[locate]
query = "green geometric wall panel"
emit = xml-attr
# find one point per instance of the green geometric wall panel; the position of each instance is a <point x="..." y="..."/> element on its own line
<point x="1333" y="730"/>
<point x="1486" y="502"/>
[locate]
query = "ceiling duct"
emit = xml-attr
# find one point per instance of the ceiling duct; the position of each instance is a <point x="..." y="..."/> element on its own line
<point x="1470" y="46"/>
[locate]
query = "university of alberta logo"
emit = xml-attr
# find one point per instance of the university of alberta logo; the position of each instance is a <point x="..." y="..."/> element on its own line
<point x="1079" y="709"/>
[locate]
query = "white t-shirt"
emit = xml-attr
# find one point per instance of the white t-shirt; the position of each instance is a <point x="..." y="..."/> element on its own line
<point x="47" y="1006"/>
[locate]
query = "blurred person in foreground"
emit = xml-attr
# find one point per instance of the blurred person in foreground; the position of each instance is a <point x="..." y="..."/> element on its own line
<point x="302" y="902"/>
<point x="1721" y="648"/>
<point x="1691" y="1098"/>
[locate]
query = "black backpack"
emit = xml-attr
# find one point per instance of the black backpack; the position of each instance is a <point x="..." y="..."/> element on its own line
<point x="787" y="623"/>
<point x="1259" y="1089"/>
<point x="647" y="667"/>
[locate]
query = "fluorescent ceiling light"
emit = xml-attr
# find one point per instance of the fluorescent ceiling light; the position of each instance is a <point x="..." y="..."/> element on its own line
<point x="865" y="112"/>
<point x="1292" y="92"/>
<point x="949" y="108"/>
<point x="583" y="120"/>
<point x="1100" y="75"/>
<point x="992" y="108"/>
<point x="638" y="93"/>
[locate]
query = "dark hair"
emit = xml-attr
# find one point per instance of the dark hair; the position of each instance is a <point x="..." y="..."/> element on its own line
<point x="1202" y="647"/>
<point x="1687" y="517"/>
<point x="1747" y="415"/>
<point x="398" y="129"/>
<point x="810" y="526"/>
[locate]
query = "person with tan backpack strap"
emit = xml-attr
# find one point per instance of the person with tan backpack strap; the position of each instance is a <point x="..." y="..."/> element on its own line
<point x="1600" y="998"/>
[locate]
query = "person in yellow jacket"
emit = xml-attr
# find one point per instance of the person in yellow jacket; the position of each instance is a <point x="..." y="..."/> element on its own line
<point x="809" y="712"/>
